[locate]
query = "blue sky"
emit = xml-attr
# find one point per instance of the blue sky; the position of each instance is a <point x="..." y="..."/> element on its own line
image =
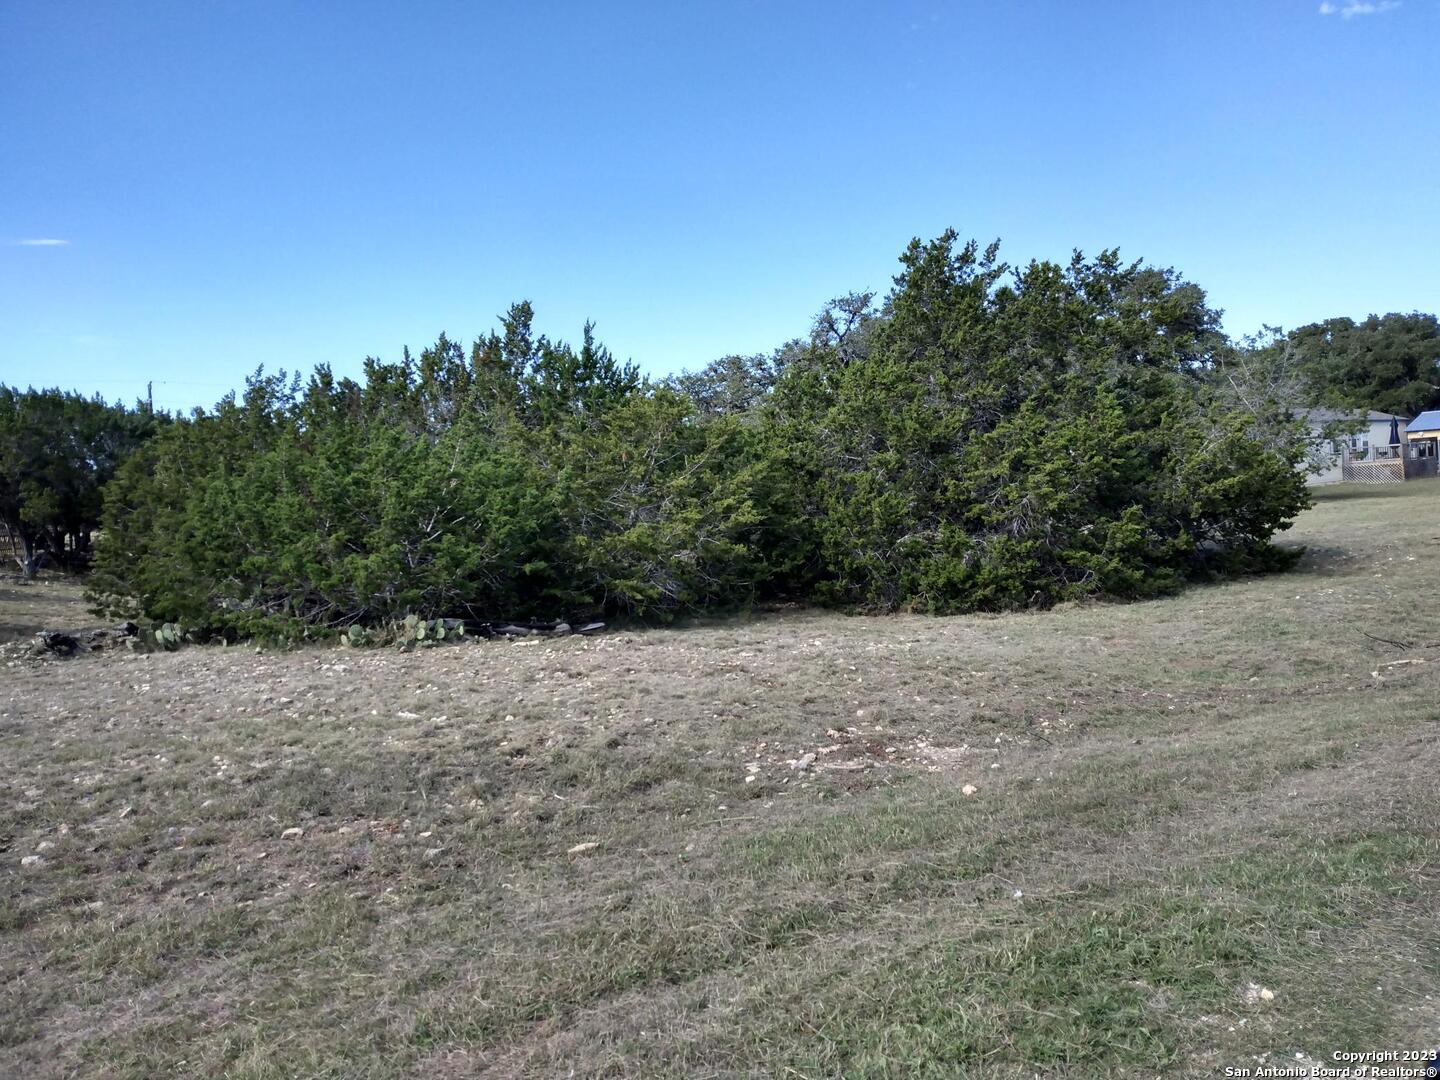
<point x="291" y="183"/>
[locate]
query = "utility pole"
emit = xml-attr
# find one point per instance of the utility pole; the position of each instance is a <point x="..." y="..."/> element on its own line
<point x="150" y="398"/>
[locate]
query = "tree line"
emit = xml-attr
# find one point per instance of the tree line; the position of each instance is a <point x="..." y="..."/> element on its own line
<point x="58" y="450"/>
<point x="984" y="437"/>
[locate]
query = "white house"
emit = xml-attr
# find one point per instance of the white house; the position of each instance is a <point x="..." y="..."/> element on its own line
<point x="1366" y="436"/>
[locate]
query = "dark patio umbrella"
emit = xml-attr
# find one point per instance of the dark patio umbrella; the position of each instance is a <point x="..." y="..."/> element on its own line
<point x="1394" y="431"/>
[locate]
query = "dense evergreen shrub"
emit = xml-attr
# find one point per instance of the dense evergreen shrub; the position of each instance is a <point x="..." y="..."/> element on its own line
<point x="1013" y="439"/>
<point x="985" y="439"/>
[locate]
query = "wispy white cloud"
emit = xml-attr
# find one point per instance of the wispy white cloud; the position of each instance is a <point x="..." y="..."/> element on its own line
<point x="43" y="241"/>
<point x="1352" y="8"/>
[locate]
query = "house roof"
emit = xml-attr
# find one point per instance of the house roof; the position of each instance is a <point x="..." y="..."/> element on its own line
<point x="1327" y="416"/>
<point x="1426" y="421"/>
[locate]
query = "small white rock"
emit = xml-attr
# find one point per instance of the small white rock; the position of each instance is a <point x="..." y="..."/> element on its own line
<point x="969" y="789"/>
<point x="32" y="862"/>
<point x="580" y="849"/>
<point x="292" y="833"/>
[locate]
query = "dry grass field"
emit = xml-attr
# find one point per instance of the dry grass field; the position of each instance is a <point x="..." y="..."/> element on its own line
<point x="1111" y="840"/>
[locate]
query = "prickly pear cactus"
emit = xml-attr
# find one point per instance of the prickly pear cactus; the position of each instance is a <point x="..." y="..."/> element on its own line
<point x="414" y="631"/>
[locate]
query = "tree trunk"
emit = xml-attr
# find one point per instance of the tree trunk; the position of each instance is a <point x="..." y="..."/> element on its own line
<point x="30" y="555"/>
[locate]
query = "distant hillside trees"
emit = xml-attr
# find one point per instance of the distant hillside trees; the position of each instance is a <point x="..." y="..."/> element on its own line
<point x="57" y="451"/>
<point x="733" y="385"/>
<point x="1387" y="362"/>
<point x="984" y="438"/>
